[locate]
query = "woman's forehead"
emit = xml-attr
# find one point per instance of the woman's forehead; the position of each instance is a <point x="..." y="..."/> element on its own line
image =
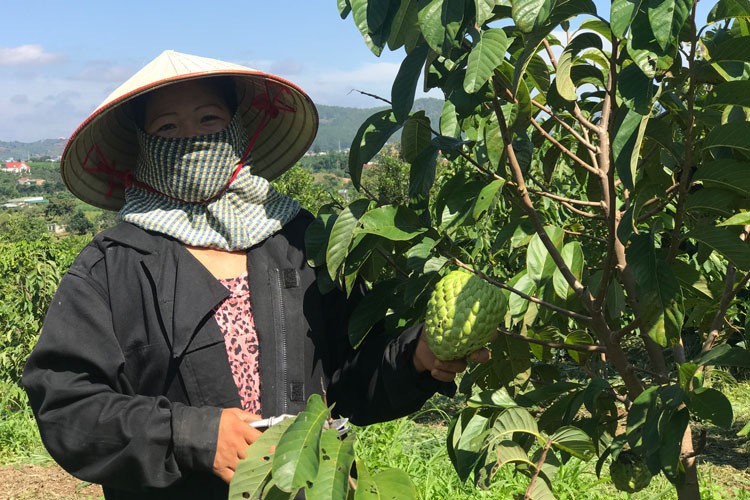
<point x="191" y="92"/>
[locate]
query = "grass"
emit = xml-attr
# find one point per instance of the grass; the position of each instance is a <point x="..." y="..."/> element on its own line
<point x="19" y="438"/>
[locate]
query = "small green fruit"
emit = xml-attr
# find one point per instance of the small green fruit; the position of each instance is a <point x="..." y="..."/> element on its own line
<point x="463" y="314"/>
<point x="629" y="472"/>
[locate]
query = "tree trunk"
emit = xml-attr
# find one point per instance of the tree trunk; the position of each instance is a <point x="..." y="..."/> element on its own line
<point x="690" y="490"/>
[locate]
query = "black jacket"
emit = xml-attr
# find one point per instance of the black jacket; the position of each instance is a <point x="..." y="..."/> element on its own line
<point x="130" y="373"/>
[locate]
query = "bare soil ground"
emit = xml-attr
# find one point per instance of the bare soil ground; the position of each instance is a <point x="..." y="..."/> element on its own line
<point x="49" y="481"/>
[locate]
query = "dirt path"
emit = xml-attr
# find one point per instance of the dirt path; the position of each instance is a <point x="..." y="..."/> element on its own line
<point x="32" y="482"/>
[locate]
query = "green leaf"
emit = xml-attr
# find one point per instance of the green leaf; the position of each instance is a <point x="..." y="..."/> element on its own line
<point x="660" y="297"/>
<point x="336" y="458"/>
<point x="744" y="431"/>
<point x="565" y="86"/>
<point x="449" y="126"/>
<point x="422" y="172"/>
<point x="316" y="238"/>
<point x="572" y="254"/>
<point x="486" y="55"/>
<point x="486" y="197"/>
<point x="725" y="240"/>
<point x="579" y="337"/>
<point x="623" y="13"/>
<point x="360" y="13"/>
<point x="626" y="146"/>
<point x="667" y="18"/>
<point x="483" y="9"/>
<point x="734" y="93"/>
<point x="710" y="404"/>
<point x="369" y="311"/>
<point x="636" y="89"/>
<point x="725" y="355"/>
<point x="726" y="174"/>
<point x="405" y="26"/>
<point x="341" y="236"/>
<point x="539" y="263"/>
<point x="494" y="399"/>
<point x="512" y="420"/>
<point x="509" y="452"/>
<point x="391" y="222"/>
<point x="732" y="134"/>
<point x="466" y="441"/>
<point x="731" y="49"/>
<point x="387" y="484"/>
<point x="297" y="455"/>
<point x="538" y="72"/>
<point x="727" y="9"/>
<point x="405" y="85"/>
<point x="517" y="305"/>
<point x="416" y="136"/>
<point x="530" y="14"/>
<point x="440" y="21"/>
<point x="255" y="469"/>
<point x="574" y="441"/>
<point x="671" y="444"/>
<point x="741" y="219"/>
<point x="640" y="408"/>
<point x="686" y="373"/>
<point x="369" y="139"/>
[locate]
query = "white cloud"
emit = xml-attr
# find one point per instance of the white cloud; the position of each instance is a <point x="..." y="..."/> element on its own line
<point x="26" y="55"/>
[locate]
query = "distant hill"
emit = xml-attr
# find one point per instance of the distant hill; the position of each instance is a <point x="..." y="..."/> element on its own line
<point x="338" y="125"/>
<point x="51" y="148"/>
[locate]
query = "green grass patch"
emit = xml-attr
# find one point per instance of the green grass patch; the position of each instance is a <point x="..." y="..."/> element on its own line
<point x="19" y="437"/>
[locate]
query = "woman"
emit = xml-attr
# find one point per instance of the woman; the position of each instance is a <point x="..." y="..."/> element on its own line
<point x="198" y="313"/>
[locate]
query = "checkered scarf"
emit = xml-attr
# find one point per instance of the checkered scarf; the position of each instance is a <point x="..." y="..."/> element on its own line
<point x="199" y="191"/>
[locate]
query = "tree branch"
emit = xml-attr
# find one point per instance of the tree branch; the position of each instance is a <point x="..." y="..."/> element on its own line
<point x="576" y="110"/>
<point x="528" y="206"/>
<point x="730" y="292"/>
<point x="687" y="164"/>
<point x="563" y="149"/>
<point x="580" y="138"/>
<point x="538" y="469"/>
<point x="554" y="345"/>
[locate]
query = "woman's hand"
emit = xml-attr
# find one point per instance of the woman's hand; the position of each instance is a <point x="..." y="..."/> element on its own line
<point x="445" y="371"/>
<point x="235" y="435"/>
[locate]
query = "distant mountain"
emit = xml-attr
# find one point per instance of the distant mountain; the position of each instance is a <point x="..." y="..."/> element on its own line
<point x="338" y="125"/>
<point x="51" y="148"/>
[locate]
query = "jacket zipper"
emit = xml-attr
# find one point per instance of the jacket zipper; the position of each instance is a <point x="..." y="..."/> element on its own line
<point x="281" y="329"/>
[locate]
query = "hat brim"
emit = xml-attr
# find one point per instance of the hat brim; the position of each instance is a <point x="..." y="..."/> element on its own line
<point x="104" y="148"/>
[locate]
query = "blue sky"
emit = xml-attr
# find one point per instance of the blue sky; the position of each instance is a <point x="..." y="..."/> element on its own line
<point x="59" y="60"/>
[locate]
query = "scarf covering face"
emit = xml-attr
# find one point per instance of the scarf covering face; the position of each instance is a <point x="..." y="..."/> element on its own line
<point x="184" y="189"/>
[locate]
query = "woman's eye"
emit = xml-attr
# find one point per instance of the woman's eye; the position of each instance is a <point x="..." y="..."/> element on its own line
<point x="166" y="127"/>
<point x="210" y="118"/>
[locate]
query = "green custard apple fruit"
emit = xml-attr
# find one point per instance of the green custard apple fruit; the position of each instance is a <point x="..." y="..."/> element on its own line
<point x="463" y="314"/>
<point x="629" y="472"/>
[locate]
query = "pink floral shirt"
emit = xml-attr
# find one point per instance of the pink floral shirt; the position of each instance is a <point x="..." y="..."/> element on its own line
<point x="235" y="320"/>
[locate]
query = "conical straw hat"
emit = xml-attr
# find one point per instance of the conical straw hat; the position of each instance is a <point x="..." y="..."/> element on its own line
<point x="101" y="154"/>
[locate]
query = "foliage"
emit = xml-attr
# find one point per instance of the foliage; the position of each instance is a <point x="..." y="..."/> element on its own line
<point x="19" y="436"/>
<point x="31" y="270"/>
<point x="302" y="452"/>
<point x="601" y="180"/>
<point x="298" y="183"/>
<point x="79" y="223"/>
<point x="27" y="226"/>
